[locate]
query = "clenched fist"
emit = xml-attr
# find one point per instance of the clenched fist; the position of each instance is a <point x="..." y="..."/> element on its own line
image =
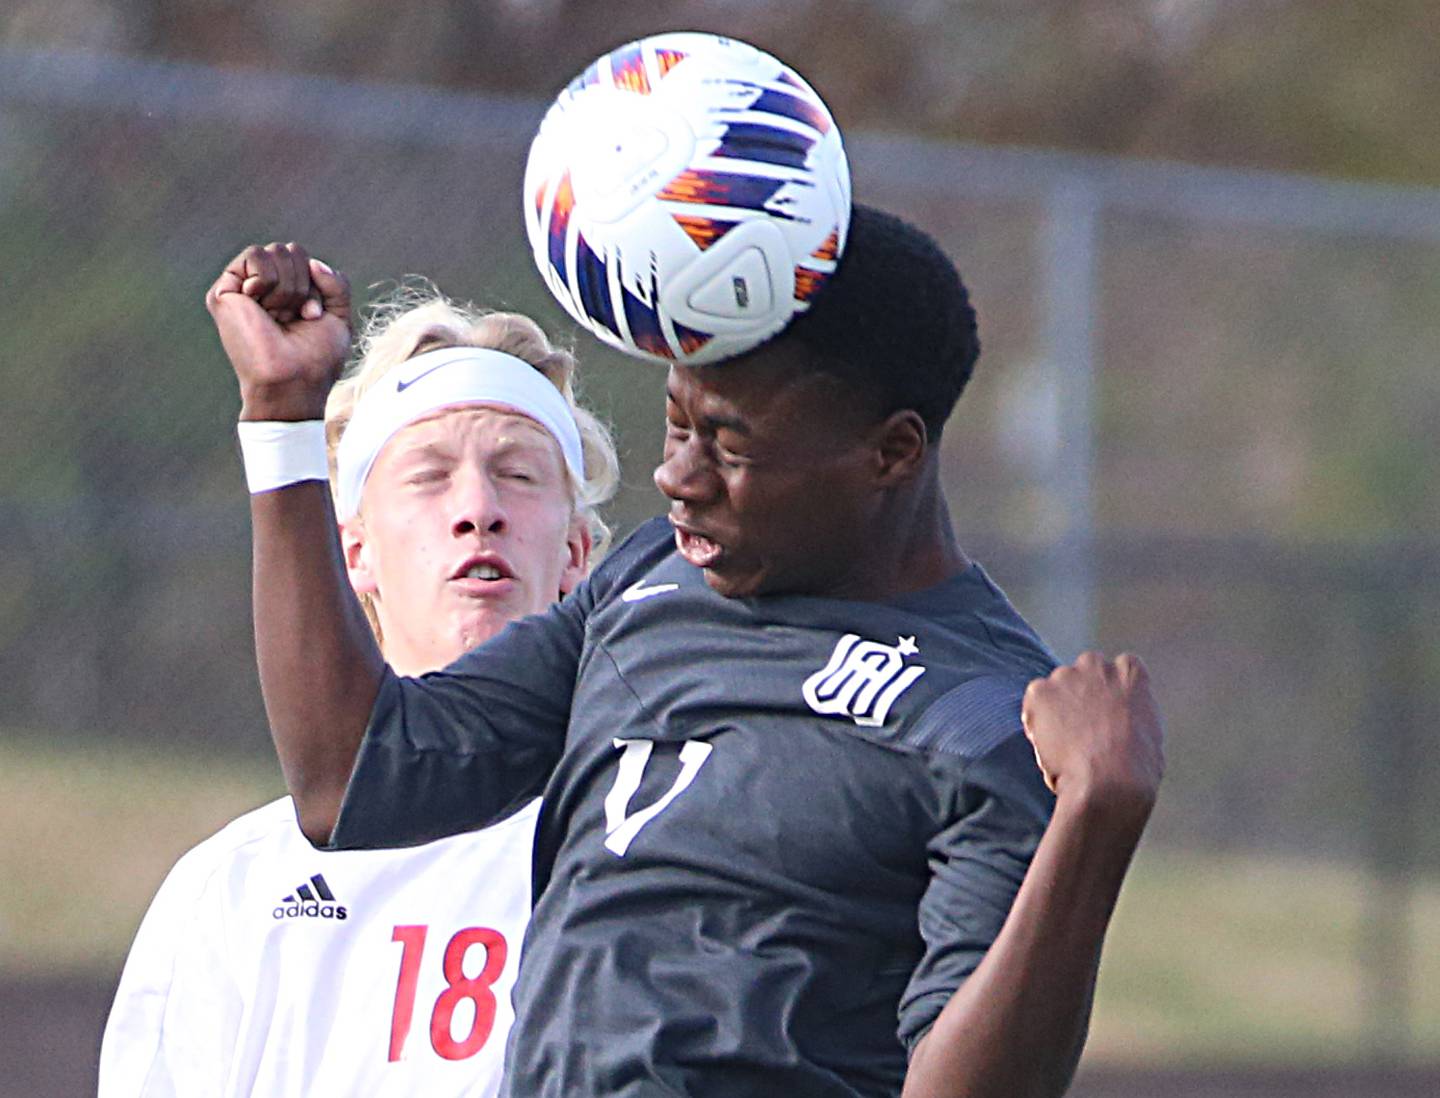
<point x="284" y="321"/>
<point x="1096" y="730"/>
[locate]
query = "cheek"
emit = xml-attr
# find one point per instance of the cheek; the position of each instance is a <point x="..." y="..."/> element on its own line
<point x="767" y="500"/>
<point x="542" y="528"/>
<point x="402" y="551"/>
<point x="799" y="515"/>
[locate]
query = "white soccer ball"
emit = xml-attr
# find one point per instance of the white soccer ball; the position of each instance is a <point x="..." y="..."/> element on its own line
<point x="686" y="196"/>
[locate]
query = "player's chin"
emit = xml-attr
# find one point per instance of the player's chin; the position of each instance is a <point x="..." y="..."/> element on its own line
<point x="734" y="579"/>
<point x="478" y="623"/>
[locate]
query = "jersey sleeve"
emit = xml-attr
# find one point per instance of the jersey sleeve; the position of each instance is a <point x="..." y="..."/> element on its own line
<point x="999" y="808"/>
<point x="462" y="748"/>
<point x="175" y="1020"/>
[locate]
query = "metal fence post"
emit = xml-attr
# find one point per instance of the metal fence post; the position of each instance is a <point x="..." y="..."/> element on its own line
<point x="1392" y="741"/>
<point x="1068" y="261"/>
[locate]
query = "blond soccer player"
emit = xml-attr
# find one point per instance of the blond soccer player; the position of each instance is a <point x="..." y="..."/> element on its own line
<point x="466" y="481"/>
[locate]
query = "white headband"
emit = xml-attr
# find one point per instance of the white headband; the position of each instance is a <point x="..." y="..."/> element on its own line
<point x="440" y="379"/>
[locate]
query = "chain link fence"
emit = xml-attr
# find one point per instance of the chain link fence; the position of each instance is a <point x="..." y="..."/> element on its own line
<point x="1202" y="427"/>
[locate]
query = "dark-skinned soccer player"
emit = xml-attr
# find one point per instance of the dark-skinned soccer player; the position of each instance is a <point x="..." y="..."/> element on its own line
<point x="795" y="839"/>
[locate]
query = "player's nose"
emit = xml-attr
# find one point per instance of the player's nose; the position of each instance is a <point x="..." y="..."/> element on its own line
<point x="476" y="504"/>
<point x="685" y="474"/>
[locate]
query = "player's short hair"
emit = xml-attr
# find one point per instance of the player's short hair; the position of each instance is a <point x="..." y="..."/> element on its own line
<point x="895" y="319"/>
<point x="416" y="317"/>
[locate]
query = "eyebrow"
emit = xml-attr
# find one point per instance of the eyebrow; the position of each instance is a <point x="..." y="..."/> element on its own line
<point x="716" y="423"/>
<point x="526" y="446"/>
<point x="425" y="451"/>
<point x="439" y="451"/>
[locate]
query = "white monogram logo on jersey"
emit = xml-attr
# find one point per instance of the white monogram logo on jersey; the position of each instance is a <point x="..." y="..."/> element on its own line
<point x="863" y="679"/>
<point x="621" y="827"/>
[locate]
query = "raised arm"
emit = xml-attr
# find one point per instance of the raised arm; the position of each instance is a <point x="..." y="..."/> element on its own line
<point x="284" y="321"/>
<point x="1016" y="1027"/>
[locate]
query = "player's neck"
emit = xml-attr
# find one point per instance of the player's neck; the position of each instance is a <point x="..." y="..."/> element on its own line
<point x="912" y="546"/>
<point x="931" y="554"/>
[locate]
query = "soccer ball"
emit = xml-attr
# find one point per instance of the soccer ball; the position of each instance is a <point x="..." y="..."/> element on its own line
<point x="685" y="196"/>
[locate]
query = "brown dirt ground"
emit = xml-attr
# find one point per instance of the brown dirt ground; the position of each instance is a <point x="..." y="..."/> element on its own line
<point x="50" y="1042"/>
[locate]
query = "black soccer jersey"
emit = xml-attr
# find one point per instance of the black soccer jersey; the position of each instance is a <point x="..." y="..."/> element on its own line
<point x="771" y="826"/>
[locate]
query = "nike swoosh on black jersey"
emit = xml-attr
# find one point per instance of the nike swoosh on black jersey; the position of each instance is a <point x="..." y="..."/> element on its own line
<point x="637" y="591"/>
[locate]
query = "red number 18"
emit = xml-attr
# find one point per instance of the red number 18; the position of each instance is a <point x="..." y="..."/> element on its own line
<point x="458" y="988"/>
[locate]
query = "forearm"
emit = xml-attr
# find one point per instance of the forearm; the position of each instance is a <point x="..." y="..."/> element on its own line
<point x="284" y="322"/>
<point x="319" y="665"/>
<point x="1016" y="1027"/>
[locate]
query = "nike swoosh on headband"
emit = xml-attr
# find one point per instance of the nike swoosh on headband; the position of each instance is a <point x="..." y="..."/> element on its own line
<point x="478" y="375"/>
<point x="404" y="383"/>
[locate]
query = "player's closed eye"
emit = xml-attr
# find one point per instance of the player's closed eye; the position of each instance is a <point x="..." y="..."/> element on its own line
<point x="729" y="449"/>
<point x="729" y="458"/>
<point x="520" y="474"/>
<point x="426" y="477"/>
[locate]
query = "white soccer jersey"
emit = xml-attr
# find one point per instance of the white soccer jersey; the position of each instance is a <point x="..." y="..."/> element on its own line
<point x="267" y="967"/>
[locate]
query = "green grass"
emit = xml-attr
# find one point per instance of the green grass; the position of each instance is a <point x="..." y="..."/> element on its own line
<point x="1252" y="959"/>
<point x="86" y="836"/>
<point x="1211" y="958"/>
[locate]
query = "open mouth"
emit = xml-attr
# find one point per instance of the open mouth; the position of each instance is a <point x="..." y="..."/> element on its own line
<point x="697" y="549"/>
<point x="483" y="575"/>
<point x="482" y="572"/>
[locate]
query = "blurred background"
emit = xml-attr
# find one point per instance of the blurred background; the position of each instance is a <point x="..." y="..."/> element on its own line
<point x="1204" y="240"/>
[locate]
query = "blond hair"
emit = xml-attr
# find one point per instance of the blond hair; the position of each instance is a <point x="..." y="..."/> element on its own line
<point x="416" y="317"/>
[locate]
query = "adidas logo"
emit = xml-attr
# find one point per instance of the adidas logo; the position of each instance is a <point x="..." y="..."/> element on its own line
<point x="312" y="903"/>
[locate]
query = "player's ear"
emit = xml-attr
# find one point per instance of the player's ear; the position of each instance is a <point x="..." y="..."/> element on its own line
<point x="577" y="554"/>
<point x="356" y="548"/>
<point x="901" y="444"/>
